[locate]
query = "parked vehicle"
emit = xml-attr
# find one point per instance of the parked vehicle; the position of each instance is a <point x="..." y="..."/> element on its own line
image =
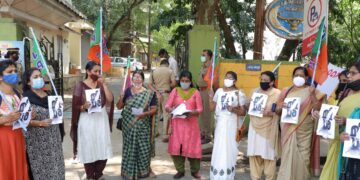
<point x="118" y="62"/>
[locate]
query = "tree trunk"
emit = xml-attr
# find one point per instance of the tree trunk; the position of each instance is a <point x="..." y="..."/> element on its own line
<point x="259" y="29"/>
<point x="225" y="28"/>
<point x="204" y="11"/>
<point x="287" y="50"/>
<point x="121" y="20"/>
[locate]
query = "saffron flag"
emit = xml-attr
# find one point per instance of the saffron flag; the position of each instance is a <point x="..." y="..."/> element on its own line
<point x="276" y="73"/>
<point x="211" y="75"/>
<point x="94" y="51"/>
<point x="320" y="51"/>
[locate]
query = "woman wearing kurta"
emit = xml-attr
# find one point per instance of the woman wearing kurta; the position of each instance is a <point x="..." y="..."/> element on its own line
<point x="91" y="132"/>
<point x="43" y="140"/>
<point x="138" y="129"/>
<point x="263" y="135"/>
<point x="297" y="139"/>
<point x="350" y="109"/>
<point x="228" y="103"/>
<point x="13" y="163"/>
<point x="330" y="170"/>
<point x="184" y="140"/>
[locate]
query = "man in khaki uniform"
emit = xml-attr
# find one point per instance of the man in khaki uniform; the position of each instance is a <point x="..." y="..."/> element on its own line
<point x="161" y="81"/>
<point x="206" y="117"/>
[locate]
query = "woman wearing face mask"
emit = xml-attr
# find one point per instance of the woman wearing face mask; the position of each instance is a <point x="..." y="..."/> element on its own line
<point x="228" y="103"/>
<point x="138" y="129"/>
<point x="43" y="140"/>
<point x="185" y="141"/>
<point x="91" y="132"/>
<point x="330" y="169"/>
<point x="263" y="135"/>
<point x="12" y="144"/>
<point x="296" y="139"/>
<point x="349" y="168"/>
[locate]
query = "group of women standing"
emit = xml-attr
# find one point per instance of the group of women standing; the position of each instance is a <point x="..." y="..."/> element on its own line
<point x="37" y="152"/>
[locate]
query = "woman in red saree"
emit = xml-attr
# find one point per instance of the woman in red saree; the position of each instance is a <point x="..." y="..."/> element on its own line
<point x="12" y="142"/>
<point x="299" y="141"/>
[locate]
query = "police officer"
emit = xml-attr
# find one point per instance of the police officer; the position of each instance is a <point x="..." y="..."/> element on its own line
<point x="207" y="125"/>
<point x="161" y="81"/>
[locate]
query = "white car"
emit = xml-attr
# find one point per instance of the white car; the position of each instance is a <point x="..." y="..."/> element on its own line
<point x="135" y="64"/>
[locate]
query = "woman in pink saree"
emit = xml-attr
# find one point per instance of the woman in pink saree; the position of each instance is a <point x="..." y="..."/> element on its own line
<point x="184" y="140"/>
<point x="300" y="145"/>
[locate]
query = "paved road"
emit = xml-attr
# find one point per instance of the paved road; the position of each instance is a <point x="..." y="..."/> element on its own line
<point x="161" y="164"/>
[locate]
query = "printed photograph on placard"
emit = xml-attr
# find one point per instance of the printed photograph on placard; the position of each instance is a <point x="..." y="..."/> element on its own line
<point x="352" y="146"/>
<point x="326" y="123"/>
<point x="56" y="109"/>
<point x="94" y="97"/>
<point x="290" y="114"/>
<point x="257" y="104"/>
<point x="25" y="111"/>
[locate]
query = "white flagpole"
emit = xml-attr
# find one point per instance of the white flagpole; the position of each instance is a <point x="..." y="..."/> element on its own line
<point x="213" y="64"/>
<point x="276" y="67"/>
<point x="101" y="42"/>
<point x="43" y="60"/>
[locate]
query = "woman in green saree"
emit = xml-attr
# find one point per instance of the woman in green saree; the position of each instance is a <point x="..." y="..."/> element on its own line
<point x="139" y="105"/>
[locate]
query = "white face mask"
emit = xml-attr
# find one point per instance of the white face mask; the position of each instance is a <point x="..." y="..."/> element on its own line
<point x="137" y="85"/>
<point x="298" y="81"/>
<point x="185" y="85"/>
<point x="202" y="59"/>
<point x="228" y="82"/>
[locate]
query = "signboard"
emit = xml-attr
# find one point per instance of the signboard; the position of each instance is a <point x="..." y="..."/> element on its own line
<point x="25" y="111"/>
<point x="290" y="114"/>
<point x="253" y="67"/>
<point x="284" y="18"/>
<point x="56" y="109"/>
<point x="332" y="81"/>
<point x="4" y="45"/>
<point x="314" y="11"/>
<point x="326" y="123"/>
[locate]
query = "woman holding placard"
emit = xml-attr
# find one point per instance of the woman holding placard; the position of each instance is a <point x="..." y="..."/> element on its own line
<point x="346" y="108"/>
<point x="297" y="139"/>
<point x="139" y="107"/>
<point x="264" y="149"/>
<point x="90" y="132"/>
<point x="228" y="103"/>
<point x="43" y="140"/>
<point x="184" y="140"/>
<point x="12" y="143"/>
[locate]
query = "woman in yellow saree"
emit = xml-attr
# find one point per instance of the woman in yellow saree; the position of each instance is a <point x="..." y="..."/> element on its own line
<point x="298" y="141"/>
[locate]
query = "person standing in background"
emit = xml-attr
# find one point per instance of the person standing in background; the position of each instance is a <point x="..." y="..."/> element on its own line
<point x="173" y="65"/>
<point x="207" y="120"/>
<point x="13" y="55"/>
<point x="161" y="81"/>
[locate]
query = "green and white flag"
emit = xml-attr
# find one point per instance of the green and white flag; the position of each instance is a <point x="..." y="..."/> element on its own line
<point x="36" y="56"/>
<point x="95" y="37"/>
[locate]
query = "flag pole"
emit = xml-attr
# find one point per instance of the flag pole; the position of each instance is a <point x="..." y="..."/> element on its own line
<point x="126" y="74"/>
<point x="101" y="41"/>
<point x="213" y="64"/>
<point x="316" y="61"/>
<point x="276" y="67"/>
<point x="43" y="60"/>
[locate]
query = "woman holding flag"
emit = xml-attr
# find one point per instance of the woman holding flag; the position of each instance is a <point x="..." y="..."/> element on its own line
<point x="12" y="143"/>
<point x="91" y="132"/>
<point x="43" y="140"/>
<point x="264" y="132"/>
<point x="139" y="105"/>
<point x="297" y="140"/>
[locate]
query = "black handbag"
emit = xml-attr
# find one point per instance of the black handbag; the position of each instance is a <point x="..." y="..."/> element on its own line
<point x="119" y="124"/>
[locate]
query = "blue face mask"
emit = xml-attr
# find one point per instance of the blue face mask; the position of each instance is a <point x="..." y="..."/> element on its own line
<point x="11" y="78"/>
<point x="38" y="83"/>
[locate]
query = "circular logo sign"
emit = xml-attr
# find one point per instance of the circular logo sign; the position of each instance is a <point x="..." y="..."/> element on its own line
<point x="314" y="13"/>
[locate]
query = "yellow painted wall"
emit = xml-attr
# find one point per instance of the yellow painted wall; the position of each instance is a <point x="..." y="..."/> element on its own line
<point x="249" y="80"/>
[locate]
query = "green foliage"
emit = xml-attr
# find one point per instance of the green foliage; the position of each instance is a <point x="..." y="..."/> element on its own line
<point x="344" y="32"/>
